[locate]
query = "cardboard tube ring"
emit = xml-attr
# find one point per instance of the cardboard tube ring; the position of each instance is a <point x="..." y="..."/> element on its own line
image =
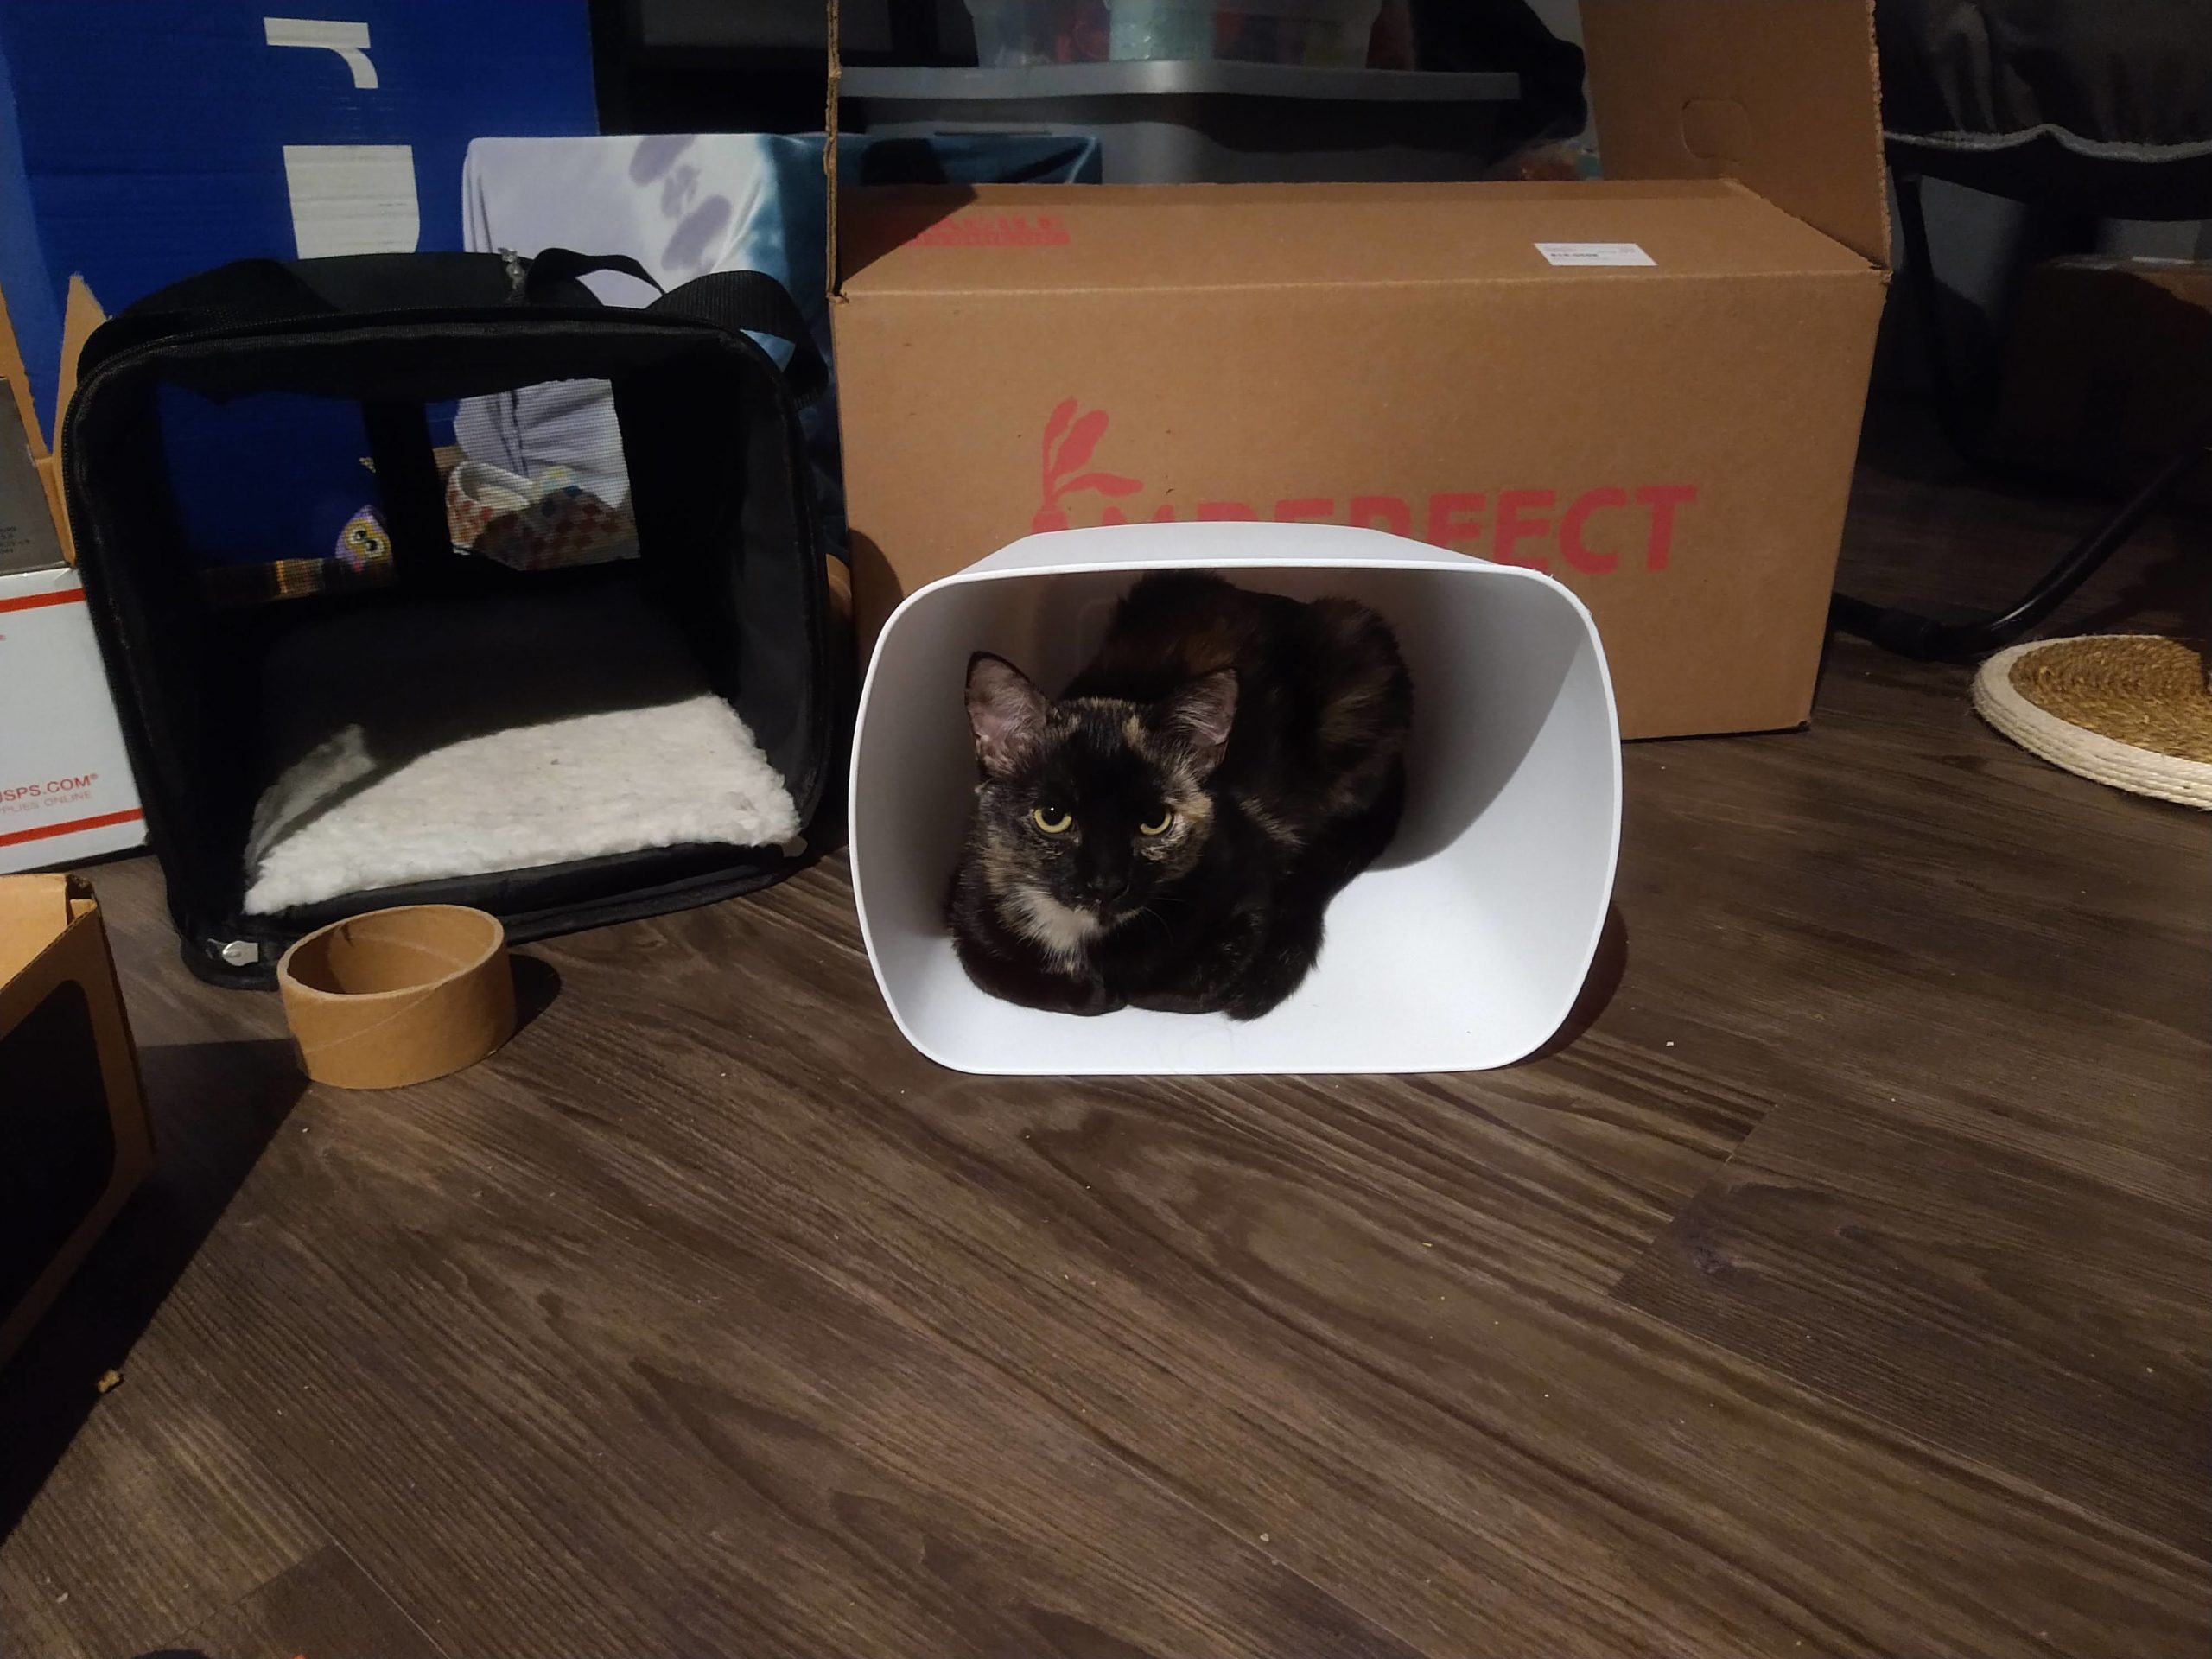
<point x="399" y="996"/>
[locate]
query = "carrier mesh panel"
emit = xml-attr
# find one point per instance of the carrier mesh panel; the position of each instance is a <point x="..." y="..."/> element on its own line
<point x="532" y="479"/>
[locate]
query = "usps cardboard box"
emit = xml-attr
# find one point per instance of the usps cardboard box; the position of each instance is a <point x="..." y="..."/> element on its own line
<point x="1649" y="387"/>
<point x="144" y="140"/>
<point x="66" y="789"/>
<point x="73" y="1136"/>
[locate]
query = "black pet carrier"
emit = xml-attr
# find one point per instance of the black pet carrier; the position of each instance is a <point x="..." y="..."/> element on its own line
<point x="425" y="578"/>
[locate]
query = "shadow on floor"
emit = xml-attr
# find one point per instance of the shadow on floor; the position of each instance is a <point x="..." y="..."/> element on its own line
<point x="538" y="981"/>
<point x="1604" y="979"/>
<point x="214" y="1106"/>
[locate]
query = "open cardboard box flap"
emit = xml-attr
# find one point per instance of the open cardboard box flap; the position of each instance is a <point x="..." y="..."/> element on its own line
<point x="81" y="315"/>
<point x="1782" y="95"/>
<point x="33" y="913"/>
<point x="51" y="912"/>
<point x="18" y="379"/>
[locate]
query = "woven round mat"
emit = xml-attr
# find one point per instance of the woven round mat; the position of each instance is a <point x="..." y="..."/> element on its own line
<point x="2128" y="710"/>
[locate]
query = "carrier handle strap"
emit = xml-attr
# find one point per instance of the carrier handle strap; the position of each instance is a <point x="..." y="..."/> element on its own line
<point x="742" y="302"/>
<point x="244" y="291"/>
<point x="753" y="302"/>
<point x="248" y="291"/>
<point x="567" y="265"/>
<point x="270" y="290"/>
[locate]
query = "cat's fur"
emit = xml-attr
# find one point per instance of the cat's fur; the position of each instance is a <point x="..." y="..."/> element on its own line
<point x="1272" y="731"/>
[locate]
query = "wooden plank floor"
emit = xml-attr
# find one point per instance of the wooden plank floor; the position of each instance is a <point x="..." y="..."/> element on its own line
<point x="1840" y="1289"/>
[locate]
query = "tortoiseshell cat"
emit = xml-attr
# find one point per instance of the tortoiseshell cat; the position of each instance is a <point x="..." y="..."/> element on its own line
<point x="1168" y="834"/>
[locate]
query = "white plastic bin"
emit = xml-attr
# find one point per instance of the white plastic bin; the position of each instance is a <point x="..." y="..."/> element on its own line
<point x="1463" y="947"/>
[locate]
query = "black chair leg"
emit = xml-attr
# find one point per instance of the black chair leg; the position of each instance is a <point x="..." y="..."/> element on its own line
<point x="1960" y="425"/>
<point x="1911" y="634"/>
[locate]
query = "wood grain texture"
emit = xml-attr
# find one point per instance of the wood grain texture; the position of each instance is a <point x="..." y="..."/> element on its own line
<point x="180" y="1517"/>
<point x="1908" y="1269"/>
<point x="324" y="1608"/>
<point x="1801" y="1304"/>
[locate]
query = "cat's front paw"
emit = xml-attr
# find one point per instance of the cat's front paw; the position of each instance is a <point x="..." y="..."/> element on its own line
<point x="1101" y="1000"/>
<point x="1049" y="993"/>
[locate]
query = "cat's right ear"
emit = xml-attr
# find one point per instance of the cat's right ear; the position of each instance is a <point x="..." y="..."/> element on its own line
<point x="1199" y="716"/>
<point x="1007" y="712"/>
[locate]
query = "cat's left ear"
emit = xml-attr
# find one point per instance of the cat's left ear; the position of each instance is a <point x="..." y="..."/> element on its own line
<point x="1199" y="717"/>
<point x="1007" y="712"/>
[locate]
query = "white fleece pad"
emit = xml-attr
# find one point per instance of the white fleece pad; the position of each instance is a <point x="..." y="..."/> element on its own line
<point x="339" y="821"/>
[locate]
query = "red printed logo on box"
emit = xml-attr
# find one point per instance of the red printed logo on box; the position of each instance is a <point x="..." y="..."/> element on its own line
<point x="1523" y="527"/>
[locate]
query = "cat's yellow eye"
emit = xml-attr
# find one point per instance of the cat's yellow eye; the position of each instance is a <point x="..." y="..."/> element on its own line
<point x="1051" y="820"/>
<point x="1157" y="826"/>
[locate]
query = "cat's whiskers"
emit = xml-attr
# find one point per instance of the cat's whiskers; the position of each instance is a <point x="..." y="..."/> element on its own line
<point x="1158" y="921"/>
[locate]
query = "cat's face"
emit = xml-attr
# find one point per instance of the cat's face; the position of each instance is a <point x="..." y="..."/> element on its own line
<point x="1089" y="805"/>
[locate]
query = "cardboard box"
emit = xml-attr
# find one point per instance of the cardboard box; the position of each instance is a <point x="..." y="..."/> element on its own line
<point x="144" y="140"/>
<point x="29" y="538"/>
<point x="1650" y="387"/>
<point x="22" y="429"/>
<point x="74" y="1135"/>
<point x="65" y="779"/>
<point x="2108" y="370"/>
<point x="66" y="789"/>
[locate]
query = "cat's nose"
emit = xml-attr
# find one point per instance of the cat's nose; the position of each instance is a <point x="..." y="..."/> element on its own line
<point x="1107" y="888"/>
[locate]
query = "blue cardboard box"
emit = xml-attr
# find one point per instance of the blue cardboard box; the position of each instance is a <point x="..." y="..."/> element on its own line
<point x="142" y="140"/>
